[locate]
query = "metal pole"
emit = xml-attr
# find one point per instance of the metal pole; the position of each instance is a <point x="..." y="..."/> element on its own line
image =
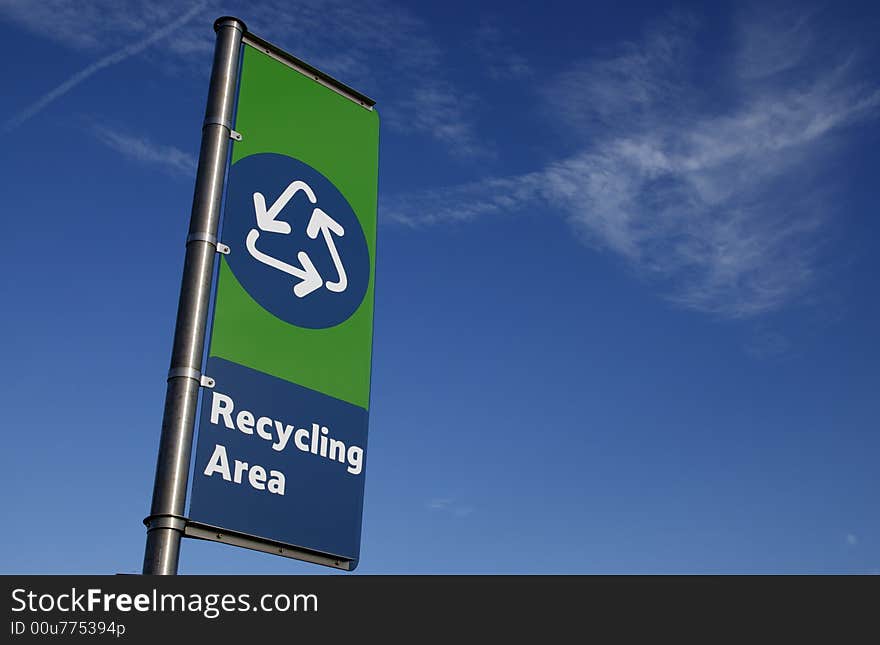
<point x="166" y="522"/>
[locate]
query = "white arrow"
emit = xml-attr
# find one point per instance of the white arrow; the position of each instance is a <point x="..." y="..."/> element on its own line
<point x="321" y="222"/>
<point x="309" y="277"/>
<point x="266" y="218"/>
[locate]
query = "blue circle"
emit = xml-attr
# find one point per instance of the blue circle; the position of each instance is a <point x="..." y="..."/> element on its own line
<point x="271" y="256"/>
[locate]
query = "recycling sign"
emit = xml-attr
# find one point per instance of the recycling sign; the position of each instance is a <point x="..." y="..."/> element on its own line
<point x="302" y="252"/>
<point x="282" y="437"/>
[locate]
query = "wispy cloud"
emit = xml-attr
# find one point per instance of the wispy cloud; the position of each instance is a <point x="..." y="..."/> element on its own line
<point x="89" y="25"/>
<point x="112" y="59"/>
<point x="381" y="48"/>
<point x="723" y="205"/>
<point x="437" y="109"/>
<point x="143" y="150"/>
<point x="500" y="60"/>
<point x="450" y="505"/>
<point x="635" y="85"/>
<point x="771" y="42"/>
<point x="851" y="539"/>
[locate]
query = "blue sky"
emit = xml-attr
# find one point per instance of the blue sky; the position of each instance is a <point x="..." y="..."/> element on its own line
<point x="626" y="317"/>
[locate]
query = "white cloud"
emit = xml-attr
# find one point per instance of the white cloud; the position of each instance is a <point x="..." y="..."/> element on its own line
<point x="437" y="109"/>
<point x="143" y="150"/>
<point x="851" y="539"/>
<point x="500" y="60"/>
<point x="450" y="505"/>
<point x="378" y="47"/>
<point x="773" y="41"/>
<point x="90" y="25"/>
<point x="723" y="205"/>
<point x="114" y="58"/>
<point x="627" y="87"/>
<point x="382" y="49"/>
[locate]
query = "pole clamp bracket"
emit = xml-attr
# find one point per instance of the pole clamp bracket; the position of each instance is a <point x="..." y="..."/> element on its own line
<point x="165" y="521"/>
<point x="188" y="372"/>
<point x="202" y="236"/>
<point x="215" y="119"/>
<point x="185" y="372"/>
<point x="235" y="136"/>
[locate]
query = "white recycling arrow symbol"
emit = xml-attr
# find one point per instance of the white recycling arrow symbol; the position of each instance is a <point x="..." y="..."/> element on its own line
<point x="309" y="277"/>
<point x="319" y="223"/>
<point x="266" y="219"/>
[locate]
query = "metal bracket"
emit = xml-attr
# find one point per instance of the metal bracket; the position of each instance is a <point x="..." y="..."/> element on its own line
<point x="186" y="372"/>
<point x="165" y="521"/>
<point x="215" y="119"/>
<point x="307" y="70"/>
<point x="236" y="136"/>
<point x="202" y="237"/>
<point x="222" y="248"/>
<point x="201" y="531"/>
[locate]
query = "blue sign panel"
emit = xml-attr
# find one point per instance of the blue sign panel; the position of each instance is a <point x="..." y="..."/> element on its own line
<point x="271" y="453"/>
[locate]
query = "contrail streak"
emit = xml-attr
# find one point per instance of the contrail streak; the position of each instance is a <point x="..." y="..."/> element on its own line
<point x="107" y="61"/>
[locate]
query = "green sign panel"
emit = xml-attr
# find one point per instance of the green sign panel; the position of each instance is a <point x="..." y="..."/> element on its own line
<point x="281" y="451"/>
<point x="282" y="111"/>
